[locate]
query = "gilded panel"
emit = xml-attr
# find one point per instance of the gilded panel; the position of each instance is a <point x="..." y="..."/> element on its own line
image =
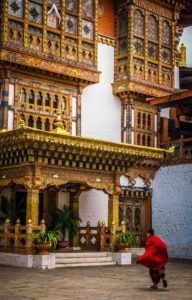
<point x="70" y="24"/>
<point x="87" y="29"/>
<point x="152" y="28"/>
<point x="123" y="24"/>
<point x="123" y="46"/>
<point x="88" y="8"/>
<point x="71" y="5"/>
<point x="35" y="12"/>
<point x="138" y="46"/>
<point x="16" y="8"/>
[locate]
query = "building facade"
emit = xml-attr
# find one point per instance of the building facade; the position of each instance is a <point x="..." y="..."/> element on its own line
<point x="96" y="64"/>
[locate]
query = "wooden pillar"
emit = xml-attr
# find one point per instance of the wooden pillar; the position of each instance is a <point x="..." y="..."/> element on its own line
<point x="113" y="210"/>
<point x="46" y="206"/>
<point x="32" y="206"/>
<point x="74" y="205"/>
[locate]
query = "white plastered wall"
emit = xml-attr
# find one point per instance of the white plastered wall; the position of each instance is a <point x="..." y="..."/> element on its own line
<point x="172" y="207"/>
<point x="63" y="199"/>
<point x="100" y="109"/>
<point x="186" y="39"/>
<point x="100" y="119"/>
<point x="93" y="207"/>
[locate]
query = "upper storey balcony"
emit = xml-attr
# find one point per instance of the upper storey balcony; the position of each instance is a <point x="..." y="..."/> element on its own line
<point x="57" y="36"/>
<point x="146" y="47"/>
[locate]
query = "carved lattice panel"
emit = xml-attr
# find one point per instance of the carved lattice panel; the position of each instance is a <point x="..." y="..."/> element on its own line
<point x="152" y="29"/>
<point x="166" y="55"/>
<point x="71" y="24"/>
<point x="138" y="67"/>
<point x="166" y="33"/>
<point x="123" y="24"/>
<point x="71" y="5"/>
<point x="88" y="8"/>
<point x="15" y="8"/>
<point x="152" y="72"/>
<point x="15" y="33"/>
<point x="35" y="12"/>
<point x="123" y="46"/>
<point x="138" y="46"/>
<point x="35" y="38"/>
<point x="152" y="51"/>
<point x="87" y="29"/>
<point x="138" y="23"/>
<point x="70" y="48"/>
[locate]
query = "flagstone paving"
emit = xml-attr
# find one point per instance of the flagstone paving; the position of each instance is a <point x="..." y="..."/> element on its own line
<point x="94" y="283"/>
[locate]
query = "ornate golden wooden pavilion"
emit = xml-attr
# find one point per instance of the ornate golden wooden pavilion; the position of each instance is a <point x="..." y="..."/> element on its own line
<point x="38" y="160"/>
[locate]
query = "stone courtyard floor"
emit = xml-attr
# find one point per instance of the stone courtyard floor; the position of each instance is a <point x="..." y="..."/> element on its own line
<point x="94" y="283"/>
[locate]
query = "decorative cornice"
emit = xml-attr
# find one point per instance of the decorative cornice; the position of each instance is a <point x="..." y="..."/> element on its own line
<point x="106" y="40"/>
<point x="51" y="140"/>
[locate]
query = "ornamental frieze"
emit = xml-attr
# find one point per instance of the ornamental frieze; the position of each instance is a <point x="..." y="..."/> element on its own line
<point x="50" y="66"/>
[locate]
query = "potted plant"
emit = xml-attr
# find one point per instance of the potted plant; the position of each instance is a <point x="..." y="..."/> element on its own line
<point x="46" y="240"/>
<point x="66" y="221"/>
<point x="125" y="240"/>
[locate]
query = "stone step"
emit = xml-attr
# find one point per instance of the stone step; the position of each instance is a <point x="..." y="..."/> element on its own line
<point x="82" y="254"/>
<point x="111" y="263"/>
<point x="64" y="260"/>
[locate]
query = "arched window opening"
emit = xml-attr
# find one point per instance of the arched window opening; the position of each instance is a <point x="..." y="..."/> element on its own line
<point x="39" y="98"/>
<point x="138" y="23"/>
<point x="137" y="218"/>
<point x="139" y="120"/>
<point x="143" y="140"/>
<point x="23" y="96"/>
<point x="138" y="139"/>
<point x="38" y="123"/>
<point x="63" y="103"/>
<point x="152" y="28"/>
<point x="30" y="122"/>
<point x="55" y="101"/>
<point x="149" y="122"/>
<point x="148" y="141"/>
<point x="47" y="100"/>
<point x="47" y="125"/>
<point x="31" y="97"/>
<point x="144" y="121"/>
<point x="166" y="33"/>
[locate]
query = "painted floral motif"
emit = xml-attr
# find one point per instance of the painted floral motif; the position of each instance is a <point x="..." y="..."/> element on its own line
<point x="122" y="46"/>
<point x="138" y="23"/>
<point x="71" y="5"/>
<point x="166" y="55"/>
<point x="15" y="8"/>
<point x="152" y="50"/>
<point x="152" y="29"/>
<point x="88" y="8"/>
<point x="35" y="12"/>
<point x="138" y="46"/>
<point x="87" y="29"/>
<point x="70" y="24"/>
<point x="166" y="33"/>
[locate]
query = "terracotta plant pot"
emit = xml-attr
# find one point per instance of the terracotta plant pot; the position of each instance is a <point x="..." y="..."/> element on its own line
<point x="122" y="246"/>
<point x="62" y="245"/>
<point x="43" y="249"/>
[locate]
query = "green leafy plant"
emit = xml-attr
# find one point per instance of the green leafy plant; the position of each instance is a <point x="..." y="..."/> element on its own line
<point x="49" y="237"/>
<point x="126" y="237"/>
<point x="7" y="211"/>
<point x="66" y="220"/>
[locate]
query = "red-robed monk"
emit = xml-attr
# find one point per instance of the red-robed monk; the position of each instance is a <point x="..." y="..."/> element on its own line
<point x="155" y="258"/>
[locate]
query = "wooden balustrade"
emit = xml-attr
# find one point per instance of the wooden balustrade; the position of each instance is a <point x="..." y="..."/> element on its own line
<point x="101" y="237"/>
<point x="19" y="238"/>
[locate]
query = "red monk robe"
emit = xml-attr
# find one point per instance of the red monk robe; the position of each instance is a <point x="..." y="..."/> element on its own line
<point x="156" y="255"/>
